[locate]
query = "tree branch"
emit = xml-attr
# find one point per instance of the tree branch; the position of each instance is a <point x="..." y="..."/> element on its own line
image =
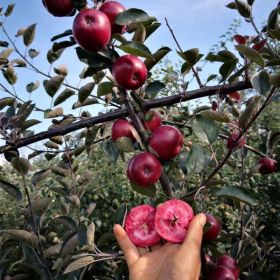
<point x="120" y="113"/>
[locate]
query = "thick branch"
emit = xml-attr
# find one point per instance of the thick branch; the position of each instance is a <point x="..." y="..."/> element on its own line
<point x="166" y="101"/>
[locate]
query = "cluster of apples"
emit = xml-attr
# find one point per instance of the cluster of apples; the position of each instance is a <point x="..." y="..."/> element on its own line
<point x="92" y="30"/>
<point x="165" y="142"/>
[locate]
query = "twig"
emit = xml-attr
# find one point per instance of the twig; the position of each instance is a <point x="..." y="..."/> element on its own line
<point x="179" y="47"/>
<point x="32" y="217"/>
<point x="42" y="73"/>
<point x="235" y="144"/>
<point x="166" y="101"/>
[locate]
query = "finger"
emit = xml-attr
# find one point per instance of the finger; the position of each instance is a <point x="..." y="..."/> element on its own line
<point x="195" y="233"/>
<point x="130" y="251"/>
<point x="143" y="251"/>
<point x="156" y="247"/>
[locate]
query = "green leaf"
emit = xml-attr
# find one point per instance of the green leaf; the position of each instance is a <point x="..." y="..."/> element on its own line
<point x="157" y="56"/>
<point x="11" y="189"/>
<point x="153" y="88"/>
<point x="243" y="8"/>
<point x="236" y="193"/>
<point x="57" y="112"/>
<point x="21" y="165"/>
<point x="69" y="245"/>
<point x="29" y="35"/>
<point x="252" y="106"/>
<point x="137" y="49"/>
<point x="275" y="80"/>
<point x="216" y="116"/>
<point x="148" y="191"/>
<point x="227" y="68"/>
<point x="85" y="91"/>
<point x="29" y="123"/>
<point x="195" y="161"/>
<point x="205" y="129"/>
<point x="53" y="56"/>
<point x="9" y="10"/>
<point x="66" y="33"/>
<point x="32" y="86"/>
<point x="231" y="5"/>
<point x="252" y="54"/>
<point x="64" y="95"/>
<point x="6" y="101"/>
<point x="68" y="222"/>
<point x="33" y="53"/>
<point x="131" y="16"/>
<point x="82" y="235"/>
<point x="78" y="264"/>
<point x="4" y="44"/>
<point x="111" y="150"/>
<point x="261" y="82"/>
<point x="120" y="215"/>
<point x="53" y="85"/>
<point x="39" y="176"/>
<point x="88" y="101"/>
<point x="192" y="56"/>
<point x="151" y="28"/>
<point x="125" y="144"/>
<point x="140" y="34"/>
<point x="10" y="75"/>
<point x="24" y="236"/>
<point x="105" y="88"/>
<point x="6" y="53"/>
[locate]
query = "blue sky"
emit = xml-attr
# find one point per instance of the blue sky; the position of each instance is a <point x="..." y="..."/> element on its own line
<point x="195" y="23"/>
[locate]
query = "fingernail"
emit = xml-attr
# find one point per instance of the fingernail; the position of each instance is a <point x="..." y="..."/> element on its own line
<point x="202" y="219"/>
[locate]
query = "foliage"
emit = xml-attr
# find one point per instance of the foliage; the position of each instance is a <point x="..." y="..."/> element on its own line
<point x="60" y="202"/>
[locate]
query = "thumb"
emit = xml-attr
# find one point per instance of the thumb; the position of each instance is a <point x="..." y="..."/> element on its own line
<point x="195" y="233"/>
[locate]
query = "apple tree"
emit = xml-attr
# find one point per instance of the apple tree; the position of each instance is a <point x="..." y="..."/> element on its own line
<point x="185" y="151"/>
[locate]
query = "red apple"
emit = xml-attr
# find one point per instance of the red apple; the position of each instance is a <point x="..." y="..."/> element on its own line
<point x="267" y="165"/>
<point x="166" y="141"/>
<point x="220" y="273"/>
<point x="230" y="263"/>
<point x="214" y="230"/>
<point x="122" y="128"/>
<point x="111" y="9"/>
<point x="61" y="8"/>
<point x="92" y="30"/>
<point x="172" y="220"/>
<point x="129" y="72"/>
<point x="258" y="46"/>
<point x="152" y="120"/>
<point x="144" y="169"/>
<point x="140" y="226"/>
<point x="232" y="138"/>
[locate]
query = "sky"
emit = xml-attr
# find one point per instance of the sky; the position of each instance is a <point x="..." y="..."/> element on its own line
<point x="197" y="24"/>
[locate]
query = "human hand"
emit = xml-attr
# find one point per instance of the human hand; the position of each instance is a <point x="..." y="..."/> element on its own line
<point x="169" y="261"/>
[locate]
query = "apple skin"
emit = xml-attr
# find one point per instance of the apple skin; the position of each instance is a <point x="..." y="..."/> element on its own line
<point x="231" y="140"/>
<point x="153" y="123"/>
<point x="61" y="8"/>
<point x="166" y="141"/>
<point x="144" y="169"/>
<point x="92" y="30"/>
<point x="214" y="230"/>
<point x="111" y="9"/>
<point x="240" y="39"/>
<point x="267" y="165"/>
<point x="220" y="273"/>
<point x="129" y="72"/>
<point x="230" y="263"/>
<point x="122" y="128"/>
<point x="234" y="96"/>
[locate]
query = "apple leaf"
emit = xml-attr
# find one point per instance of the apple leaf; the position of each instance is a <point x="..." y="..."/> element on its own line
<point x="32" y="86"/>
<point x="85" y="91"/>
<point x="29" y="35"/>
<point x="216" y="116"/>
<point x="236" y="193"/>
<point x="11" y="189"/>
<point x="64" y="95"/>
<point x="131" y="16"/>
<point x="111" y="150"/>
<point x="105" y="88"/>
<point x="252" y="54"/>
<point x="21" y="165"/>
<point x="120" y="215"/>
<point x="153" y="89"/>
<point x="195" y="161"/>
<point x="157" y="56"/>
<point x="53" y="85"/>
<point x="125" y="144"/>
<point x="261" y="82"/>
<point x="227" y="68"/>
<point x="140" y="34"/>
<point x="82" y="234"/>
<point x="48" y="114"/>
<point x="78" y="264"/>
<point x="136" y="48"/>
<point x="148" y="191"/>
<point x="205" y="129"/>
<point x="243" y="8"/>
